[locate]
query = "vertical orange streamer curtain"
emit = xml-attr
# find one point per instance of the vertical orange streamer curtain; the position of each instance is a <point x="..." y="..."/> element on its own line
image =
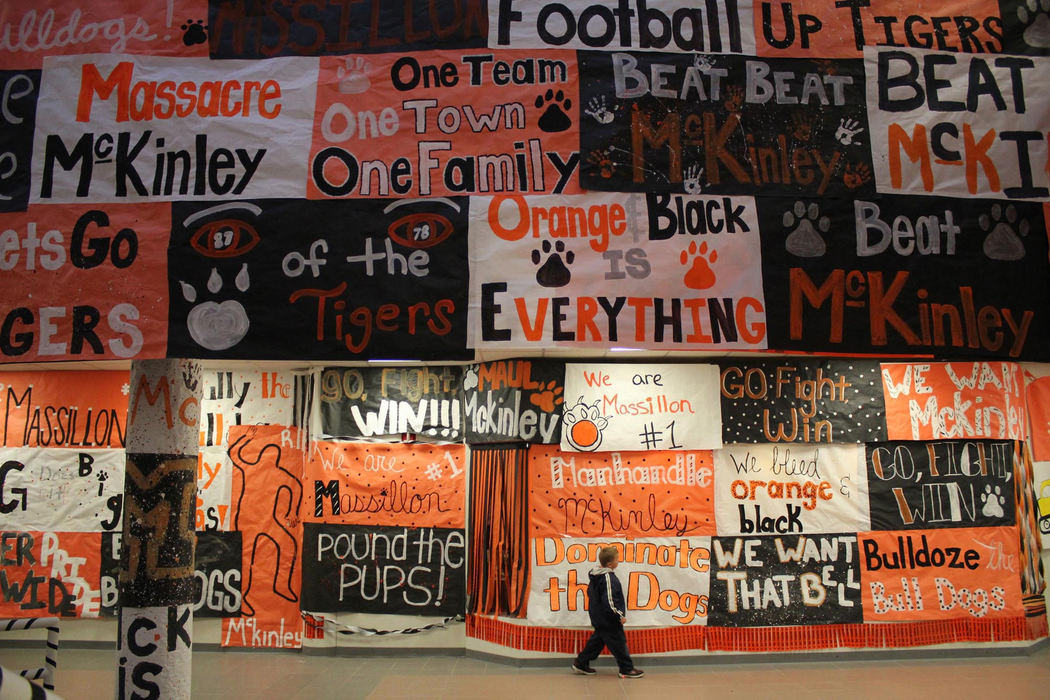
<point x="498" y="579"/>
<point x="1033" y="583"/>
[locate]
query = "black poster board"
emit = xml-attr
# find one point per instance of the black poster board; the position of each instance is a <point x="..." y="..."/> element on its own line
<point x="784" y="580"/>
<point x="374" y="569"/>
<point x="514" y="400"/>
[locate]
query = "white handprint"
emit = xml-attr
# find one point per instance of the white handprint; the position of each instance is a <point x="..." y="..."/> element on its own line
<point x="691" y="184"/>
<point x="848" y="128"/>
<point x="702" y="63"/>
<point x="353" y="78"/>
<point x="597" y="110"/>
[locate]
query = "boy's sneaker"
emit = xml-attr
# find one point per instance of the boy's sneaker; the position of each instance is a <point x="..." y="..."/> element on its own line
<point x="584" y="670"/>
<point x="633" y="673"/>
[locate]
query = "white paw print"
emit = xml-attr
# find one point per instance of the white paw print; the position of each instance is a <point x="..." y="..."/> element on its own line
<point x="992" y="503"/>
<point x="470" y="378"/>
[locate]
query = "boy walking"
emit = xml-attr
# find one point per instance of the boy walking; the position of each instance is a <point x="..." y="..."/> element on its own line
<point x="607" y="611"/>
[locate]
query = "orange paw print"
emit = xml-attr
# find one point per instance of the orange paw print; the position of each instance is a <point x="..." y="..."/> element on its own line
<point x="700" y="275"/>
<point x="550" y="397"/>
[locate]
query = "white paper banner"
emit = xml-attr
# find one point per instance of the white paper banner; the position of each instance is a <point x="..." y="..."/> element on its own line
<point x="960" y="125"/>
<point x="61" y="490"/>
<point x="800" y="489"/>
<point x="612" y="408"/>
<point x="260" y="397"/>
<point x="655" y="25"/>
<point x="607" y="269"/>
<point x="112" y="128"/>
<point x="665" y="580"/>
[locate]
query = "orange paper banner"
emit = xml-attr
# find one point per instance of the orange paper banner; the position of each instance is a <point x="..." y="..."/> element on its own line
<point x="939" y="574"/>
<point x="620" y="494"/>
<point x="413" y="485"/>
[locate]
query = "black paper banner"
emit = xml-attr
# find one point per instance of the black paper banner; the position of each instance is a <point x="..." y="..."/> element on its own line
<point x="394" y="570"/>
<point x="308" y="28"/>
<point x="802" y="401"/>
<point x="514" y="400"/>
<point x="723" y="124"/>
<point x="785" y="580"/>
<point x="18" y="120"/>
<point x="906" y="275"/>
<point x="367" y="402"/>
<point x="217" y="570"/>
<point x="947" y="483"/>
<point x="295" y="279"/>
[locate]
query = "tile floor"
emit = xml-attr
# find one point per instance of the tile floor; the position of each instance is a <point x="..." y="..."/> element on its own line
<point x="90" y="674"/>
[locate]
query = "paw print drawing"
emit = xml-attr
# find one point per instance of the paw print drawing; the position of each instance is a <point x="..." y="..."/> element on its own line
<point x="700" y="275"/>
<point x="353" y="75"/>
<point x="549" y="398"/>
<point x="217" y="325"/>
<point x="554" y="118"/>
<point x="804" y="241"/>
<point x="583" y="425"/>
<point x="194" y="32"/>
<point x="597" y="110"/>
<point x="553" y="272"/>
<point x="1002" y="242"/>
<point x="856" y="174"/>
<point x="1035" y="15"/>
<point x="604" y="161"/>
<point x="470" y="378"/>
<point x="992" y="503"/>
<point x="848" y="130"/>
<point x="691" y="184"/>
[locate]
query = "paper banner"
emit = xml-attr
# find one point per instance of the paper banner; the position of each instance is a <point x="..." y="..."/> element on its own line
<point x="261" y="397"/>
<point x="47" y="489"/>
<point x="802" y="401"/>
<point x="64" y="409"/>
<point x="414" y="485"/>
<point x="940" y="574"/>
<point x="664" y="580"/>
<point x="645" y="278"/>
<point x="1037" y="402"/>
<point x="934" y="401"/>
<point x="171" y="129"/>
<point x="830" y="29"/>
<point x="36" y="28"/>
<point x="923" y="485"/>
<point x="628" y="494"/>
<point x="239" y="31"/>
<point x="722" y="124"/>
<point x="366" y="402"/>
<point x="109" y="568"/>
<point x="658" y="25"/>
<point x="799" y="489"/>
<point x="214" y="489"/>
<point x="268" y="508"/>
<point x="445" y="124"/>
<point x="84" y="282"/>
<point x="291" y="279"/>
<point x="641" y="407"/>
<point x="217" y="573"/>
<point x="1041" y="479"/>
<point x="392" y="570"/>
<point x="949" y="123"/>
<point x="786" y="580"/>
<point x="49" y="574"/>
<point x="906" y="275"/>
<point x="18" y="119"/>
<point x="514" y="400"/>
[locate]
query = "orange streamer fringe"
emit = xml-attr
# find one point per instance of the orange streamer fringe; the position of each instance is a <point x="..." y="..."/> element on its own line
<point x="764" y="639"/>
